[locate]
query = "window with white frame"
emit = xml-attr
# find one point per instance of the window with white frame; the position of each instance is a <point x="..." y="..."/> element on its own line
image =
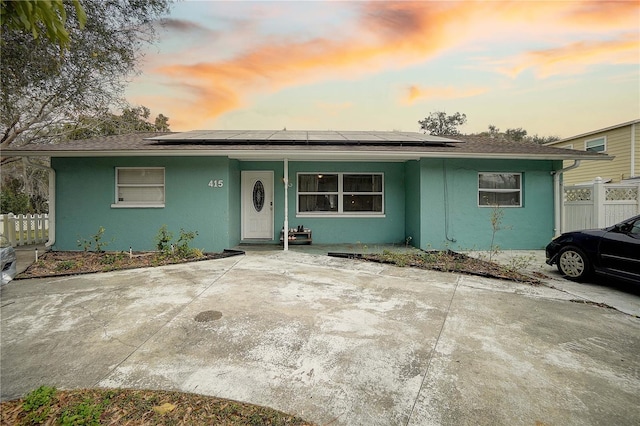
<point x="340" y="193"/>
<point x="596" y="145"/>
<point x="139" y="187"/>
<point x="500" y="189"/>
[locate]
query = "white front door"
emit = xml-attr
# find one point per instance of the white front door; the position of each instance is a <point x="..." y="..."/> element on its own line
<point x="257" y="205"/>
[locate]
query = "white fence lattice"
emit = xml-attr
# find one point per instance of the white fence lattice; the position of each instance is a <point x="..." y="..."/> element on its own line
<point x="25" y="229"/>
<point x="599" y="205"/>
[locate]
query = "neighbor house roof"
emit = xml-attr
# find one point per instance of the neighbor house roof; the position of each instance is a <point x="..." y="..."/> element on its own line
<point x="309" y="145"/>
<point x="593" y="132"/>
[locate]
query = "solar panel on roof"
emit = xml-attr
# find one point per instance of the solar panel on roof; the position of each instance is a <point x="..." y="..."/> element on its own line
<point x="360" y="136"/>
<point x="290" y="136"/>
<point x="297" y="137"/>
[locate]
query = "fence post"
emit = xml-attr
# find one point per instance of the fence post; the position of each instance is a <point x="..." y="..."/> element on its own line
<point x="5" y="227"/>
<point x="13" y="236"/>
<point x="598" y="203"/>
<point x="30" y="219"/>
<point x="38" y="227"/>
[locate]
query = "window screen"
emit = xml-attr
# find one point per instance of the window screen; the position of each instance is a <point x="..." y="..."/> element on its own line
<point x="140" y="187"/>
<point x="500" y="189"/>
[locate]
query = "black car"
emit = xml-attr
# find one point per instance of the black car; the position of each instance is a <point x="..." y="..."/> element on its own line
<point x="612" y="251"/>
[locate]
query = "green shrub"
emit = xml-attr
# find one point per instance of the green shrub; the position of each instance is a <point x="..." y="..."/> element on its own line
<point x="181" y="249"/>
<point x="163" y="240"/>
<point x="94" y="242"/>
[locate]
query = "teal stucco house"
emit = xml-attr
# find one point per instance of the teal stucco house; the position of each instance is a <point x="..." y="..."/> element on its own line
<point x="366" y="187"/>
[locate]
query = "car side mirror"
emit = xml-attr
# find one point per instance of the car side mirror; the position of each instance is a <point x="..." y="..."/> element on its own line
<point x="624" y="228"/>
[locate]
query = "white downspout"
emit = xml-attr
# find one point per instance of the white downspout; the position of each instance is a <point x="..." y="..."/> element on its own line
<point x="285" y="235"/>
<point x="557" y="192"/>
<point x="52" y="199"/>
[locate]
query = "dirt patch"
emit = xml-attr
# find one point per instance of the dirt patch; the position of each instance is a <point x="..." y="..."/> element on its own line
<point x="62" y="263"/>
<point x="446" y="261"/>
<point x="137" y="407"/>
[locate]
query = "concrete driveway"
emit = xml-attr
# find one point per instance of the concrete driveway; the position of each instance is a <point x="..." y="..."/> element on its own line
<point x="335" y="341"/>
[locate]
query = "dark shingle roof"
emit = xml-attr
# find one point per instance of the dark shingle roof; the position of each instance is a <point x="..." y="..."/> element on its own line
<point x="350" y="145"/>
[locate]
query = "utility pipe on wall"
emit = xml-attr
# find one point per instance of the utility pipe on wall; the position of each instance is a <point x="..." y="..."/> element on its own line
<point x="557" y="192"/>
<point x="52" y="198"/>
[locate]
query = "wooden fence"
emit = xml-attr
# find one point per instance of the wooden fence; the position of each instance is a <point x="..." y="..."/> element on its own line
<point x="599" y="205"/>
<point x="25" y="229"/>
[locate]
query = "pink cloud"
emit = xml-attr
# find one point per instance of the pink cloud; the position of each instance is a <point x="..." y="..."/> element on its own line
<point x="573" y="58"/>
<point x="391" y="35"/>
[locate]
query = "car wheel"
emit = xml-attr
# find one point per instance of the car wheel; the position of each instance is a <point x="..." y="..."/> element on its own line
<point x="573" y="263"/>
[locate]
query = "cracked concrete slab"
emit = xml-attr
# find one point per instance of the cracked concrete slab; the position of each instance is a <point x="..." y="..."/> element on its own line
<point x="332" y="340"/>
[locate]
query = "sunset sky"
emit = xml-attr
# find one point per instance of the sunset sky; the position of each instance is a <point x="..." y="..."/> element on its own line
<point x="553" y="68"/>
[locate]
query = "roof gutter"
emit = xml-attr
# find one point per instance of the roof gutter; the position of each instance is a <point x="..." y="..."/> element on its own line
<point x="52" y="199"/>
<point x="558" y="196"/>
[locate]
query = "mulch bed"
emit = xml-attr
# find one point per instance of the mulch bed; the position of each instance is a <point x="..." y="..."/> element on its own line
<point x="445" y="261"/>
<point x="64" y="263"/>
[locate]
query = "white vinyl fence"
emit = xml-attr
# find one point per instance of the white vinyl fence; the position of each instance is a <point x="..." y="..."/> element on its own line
<point x="24" y="229"/>
<point x="599" y="205"/>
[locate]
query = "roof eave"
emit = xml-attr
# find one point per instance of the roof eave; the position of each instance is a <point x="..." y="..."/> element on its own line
<point x="309" y="155"/>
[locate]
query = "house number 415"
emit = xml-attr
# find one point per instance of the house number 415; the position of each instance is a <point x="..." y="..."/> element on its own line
<point x="216" y="183"/>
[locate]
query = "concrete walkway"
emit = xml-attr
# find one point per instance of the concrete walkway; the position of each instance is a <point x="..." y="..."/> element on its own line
<point x="335" y="341"/>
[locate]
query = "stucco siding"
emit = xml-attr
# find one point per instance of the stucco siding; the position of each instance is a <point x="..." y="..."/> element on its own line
<point x="434" y="201"/>
<point x="413" y="202"/>
<point x="451" y="217"/>
<point x="85" y="190"/>
<point x="618" y="144"/>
